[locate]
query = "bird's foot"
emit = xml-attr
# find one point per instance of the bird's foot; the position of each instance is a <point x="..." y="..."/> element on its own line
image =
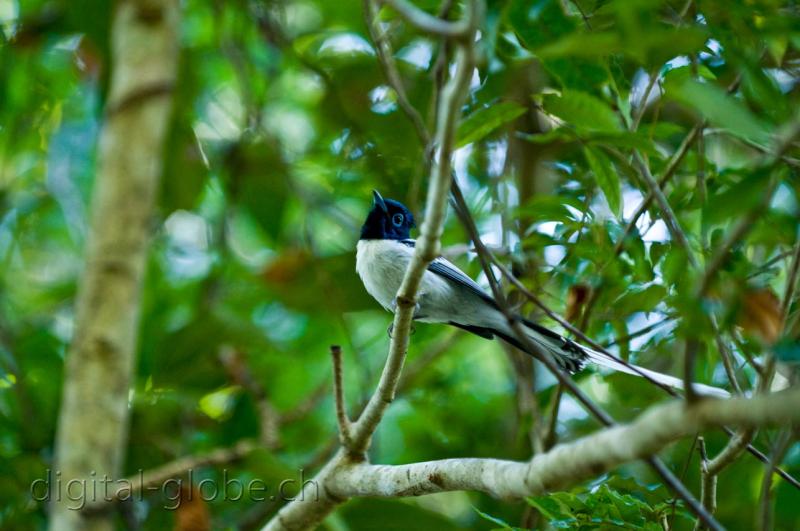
<point x="391" y="329"/>
<point x="393" y="306"/>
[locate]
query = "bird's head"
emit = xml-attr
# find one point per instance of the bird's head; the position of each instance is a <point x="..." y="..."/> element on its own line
<point x="387" y="220"/>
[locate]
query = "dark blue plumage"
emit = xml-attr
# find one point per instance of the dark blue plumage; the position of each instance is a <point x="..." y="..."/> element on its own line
<point x="387" y="220"/>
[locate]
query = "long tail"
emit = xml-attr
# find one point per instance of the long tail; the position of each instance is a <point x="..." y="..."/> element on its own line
<point x="605" y="360"/>
<point x="572" y="357"/>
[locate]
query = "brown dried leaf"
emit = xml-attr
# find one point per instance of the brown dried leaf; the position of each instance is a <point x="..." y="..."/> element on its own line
<point x="760" y="314"/>
<point x="192" y="513"/>
<point x="287" y="267"/>
<point x="576" y="300"/>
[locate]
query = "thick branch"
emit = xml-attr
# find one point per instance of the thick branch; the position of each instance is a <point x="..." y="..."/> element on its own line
<point x="570" y="462"/>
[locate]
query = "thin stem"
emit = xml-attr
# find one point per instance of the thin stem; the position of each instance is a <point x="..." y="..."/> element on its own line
<point x="765" y="503"/>
<point x="791" y="284"/>
<point x="338" y="394"/>
<point x="390" y="70"/>
<point x="427" y="23"/>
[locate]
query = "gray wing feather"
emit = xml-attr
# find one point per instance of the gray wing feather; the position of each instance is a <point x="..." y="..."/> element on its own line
<point x="446" y="269"/>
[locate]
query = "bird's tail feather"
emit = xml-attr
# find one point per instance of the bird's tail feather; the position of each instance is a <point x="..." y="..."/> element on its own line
<point x="605" y="360"/>
<point x="572" y="357"/>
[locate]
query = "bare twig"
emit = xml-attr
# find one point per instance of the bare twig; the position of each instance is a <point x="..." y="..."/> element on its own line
<point x="235" y="365"/>
<point x="390" y="70"/>
<point x="735" y="236"/>
<point x="791" y="284"/>
<point x="461" y="29"/>
<point x="338" y="395"/>
<point x="156" y="478"/>
<point x="427" y="248"/>
<point x="637" y="333"/>
<point x="651" y="82"/>
<point x="666" y="209"/>
<point x="765" y="503"/>
<point x="550" y="435"/>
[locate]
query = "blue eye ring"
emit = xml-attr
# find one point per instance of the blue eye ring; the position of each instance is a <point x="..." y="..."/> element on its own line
<point x="397" y="220"/>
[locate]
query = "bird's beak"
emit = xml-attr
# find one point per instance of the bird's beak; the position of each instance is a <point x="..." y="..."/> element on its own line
<point x="377" y="200"/>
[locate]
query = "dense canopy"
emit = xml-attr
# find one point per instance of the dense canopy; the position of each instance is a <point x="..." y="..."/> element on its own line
<point x="633" y="164"/>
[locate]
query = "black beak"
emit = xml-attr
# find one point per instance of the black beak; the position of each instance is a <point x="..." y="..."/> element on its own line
<point x="377" y="200"/>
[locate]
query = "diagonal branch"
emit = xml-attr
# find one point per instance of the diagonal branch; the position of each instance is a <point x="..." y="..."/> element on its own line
<point x="428" y="245"/>
<point x="315" y="503"/>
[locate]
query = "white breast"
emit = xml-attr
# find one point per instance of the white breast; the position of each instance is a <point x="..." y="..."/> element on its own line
<point x="381" y="265"/>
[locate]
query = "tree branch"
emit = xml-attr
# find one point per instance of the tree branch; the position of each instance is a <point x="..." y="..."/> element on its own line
<point x="307" y="510"/>
<point x="569" y="462"/>
<point x="390" y="70"/>
<point x="431" y="24"/>
<point x="338" y="394"/>
<point x="158" y="476"/>
<point x="428" y="246"/>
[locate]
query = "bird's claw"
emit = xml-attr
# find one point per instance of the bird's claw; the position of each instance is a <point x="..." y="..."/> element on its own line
<point x="391" y="329"/>
<point x="393" y="306"/>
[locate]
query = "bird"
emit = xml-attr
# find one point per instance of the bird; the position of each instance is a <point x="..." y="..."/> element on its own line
<point x="449" y="296"/>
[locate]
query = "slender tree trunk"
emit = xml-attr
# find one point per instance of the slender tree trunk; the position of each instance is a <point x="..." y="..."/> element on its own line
<point x="93" y="422"/>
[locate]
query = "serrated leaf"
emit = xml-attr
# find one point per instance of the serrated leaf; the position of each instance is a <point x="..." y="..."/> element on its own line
<point x="606" y="177"/>
<point x="483" y="121"/>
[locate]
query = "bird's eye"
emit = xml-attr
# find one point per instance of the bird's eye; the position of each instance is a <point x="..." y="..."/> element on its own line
<point x="397" y="220"/>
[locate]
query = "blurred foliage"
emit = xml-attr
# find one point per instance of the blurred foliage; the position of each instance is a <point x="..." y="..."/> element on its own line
<point x="284" y="123"/>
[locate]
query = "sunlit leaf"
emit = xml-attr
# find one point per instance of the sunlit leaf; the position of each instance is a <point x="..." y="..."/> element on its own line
<point x="720" y="109"/>
<point x="483" y="121"/>
<point x="582" y="110"/>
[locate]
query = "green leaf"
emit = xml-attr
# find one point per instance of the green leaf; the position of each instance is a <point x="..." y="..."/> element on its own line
<point x="258" y="179"/>
<point x="606" y="176"/>
<point x="540" y="22"/>
<point x="483" y="121"/>
<point x="720" y="108"/>
<point x="741" y="197"/>
<point x="558" y="506"/>
<point x="501" y="523"/>
<point x="549" y="208"/>
<point x="640" y="300"/>
<point x="581" y="45"/>
<point x="583" y="111"/>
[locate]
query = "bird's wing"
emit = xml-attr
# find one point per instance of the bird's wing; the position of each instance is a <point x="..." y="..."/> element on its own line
<point x="446" y="269"/>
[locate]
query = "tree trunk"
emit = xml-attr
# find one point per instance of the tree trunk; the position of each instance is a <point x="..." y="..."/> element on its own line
<point x="93" y="421"/>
